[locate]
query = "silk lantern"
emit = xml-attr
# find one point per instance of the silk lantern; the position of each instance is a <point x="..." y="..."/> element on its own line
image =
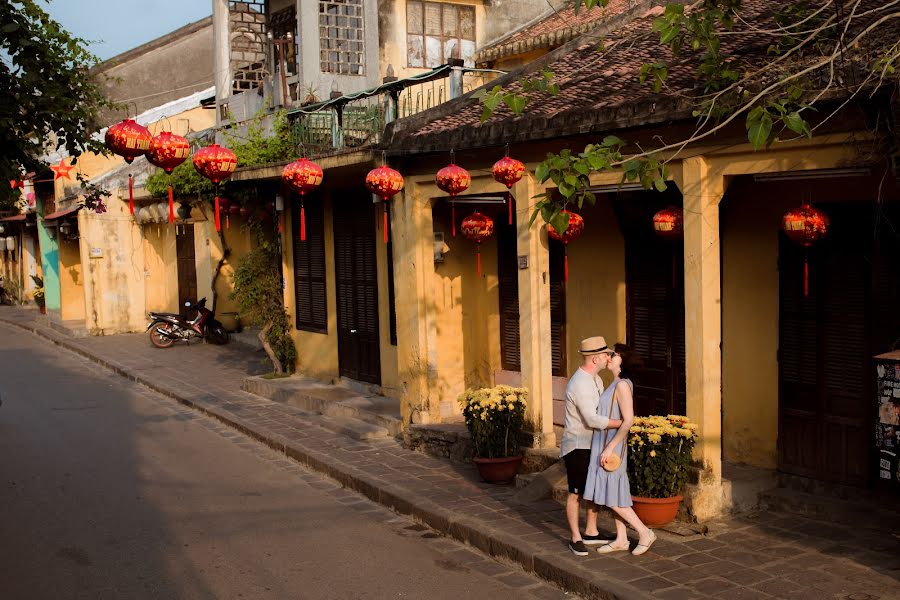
<point x="385" y="183"/>
<point x="508" y="171"/>
<point x="303" y="176"/>
<point x="167" y="151"/>
<point x="129" y="140"/>
<point x="216" y="164"/>
<point x="453" y="179"/>
<point x="477" y="227"/>
<point x="805" y="226"/>
<point x="572" y="233"/>
<point x="668" y="224"/>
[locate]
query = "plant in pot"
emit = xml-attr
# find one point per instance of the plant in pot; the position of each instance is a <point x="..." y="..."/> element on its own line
<point x="495" y="418"/>
<point x="659" y="455"/>
<point x="38" y="293"/>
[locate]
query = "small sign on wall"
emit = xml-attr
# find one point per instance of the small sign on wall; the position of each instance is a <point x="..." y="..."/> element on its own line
<point x="96" y="252"/>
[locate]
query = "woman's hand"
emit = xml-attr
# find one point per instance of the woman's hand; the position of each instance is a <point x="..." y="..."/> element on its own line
<point x="605" y="457"/>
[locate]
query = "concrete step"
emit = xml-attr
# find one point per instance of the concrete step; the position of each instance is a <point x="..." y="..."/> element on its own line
<point x="72" y="328"/>
<point x="864" y="515"/>
<point x="377" y="410"/>
<point x="353" y="428"/>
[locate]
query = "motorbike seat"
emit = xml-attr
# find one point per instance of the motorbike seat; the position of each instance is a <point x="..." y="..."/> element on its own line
<point x="162" y="314"/>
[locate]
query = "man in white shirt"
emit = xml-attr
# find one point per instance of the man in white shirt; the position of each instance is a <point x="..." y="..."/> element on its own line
<point x="582" y="398"/>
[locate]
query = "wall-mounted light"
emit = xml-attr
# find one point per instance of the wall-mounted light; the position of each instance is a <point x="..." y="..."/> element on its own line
<point x="65" y="228"/>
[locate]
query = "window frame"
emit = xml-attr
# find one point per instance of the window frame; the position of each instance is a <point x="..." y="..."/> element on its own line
<point x="444" y="39"/>
<point x="325" y="63"/>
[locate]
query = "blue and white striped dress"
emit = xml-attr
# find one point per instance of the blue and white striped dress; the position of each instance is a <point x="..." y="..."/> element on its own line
<point x="604" y="488"/>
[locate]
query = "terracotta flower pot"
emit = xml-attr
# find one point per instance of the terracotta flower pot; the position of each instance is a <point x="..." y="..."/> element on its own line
<point x="656" y="512"/>
<point x="498" y="470"/>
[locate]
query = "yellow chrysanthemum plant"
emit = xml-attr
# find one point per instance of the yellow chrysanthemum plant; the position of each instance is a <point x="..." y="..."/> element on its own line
<point x="659" y="455"/>
<point x="495" y="418"/>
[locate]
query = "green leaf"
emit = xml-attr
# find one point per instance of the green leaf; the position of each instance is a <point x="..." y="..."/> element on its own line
<point x="797" y="124"/>
<point x="542" y="172"/>
<point x="611" y="141"/>
<point x="759" y="132"/>
<point x="566" y="189"/>
<point x="516" y="103"/>
<point x="560" y="222"/>
<point x="660" y="184"/>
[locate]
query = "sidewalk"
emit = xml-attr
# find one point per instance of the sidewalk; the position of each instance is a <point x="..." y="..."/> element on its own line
<point x="759" y="555"/>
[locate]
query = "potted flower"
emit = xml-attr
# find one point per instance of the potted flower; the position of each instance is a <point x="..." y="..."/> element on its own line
<point x="659" y="455"/>
<point x="495" y="418"/>
<point x="38" y="293"/>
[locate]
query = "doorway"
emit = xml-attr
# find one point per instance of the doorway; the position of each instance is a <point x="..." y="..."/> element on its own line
<point x="187" y="266"/>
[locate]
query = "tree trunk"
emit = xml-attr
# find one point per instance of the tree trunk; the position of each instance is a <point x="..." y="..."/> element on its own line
<point x="264" y="338"/>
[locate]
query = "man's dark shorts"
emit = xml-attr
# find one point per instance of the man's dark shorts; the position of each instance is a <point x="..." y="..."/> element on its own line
<point x="577" y="462"/>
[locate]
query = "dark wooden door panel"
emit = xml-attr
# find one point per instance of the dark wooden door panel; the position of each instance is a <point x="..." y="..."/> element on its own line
<point x="187" y="266"/>
<point x="508" y="281"/>
<point x="356" y="277"/>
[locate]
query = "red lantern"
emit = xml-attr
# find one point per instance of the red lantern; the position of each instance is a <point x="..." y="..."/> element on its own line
<point x="508" y="171"/>
<point x="477" y="227"/>
<point x="302" y="176"/>
<point x="572" y="233"/>
<point x="669" y="223"/>
<point x="453" y="179"/>
<point x="216" y="164"/>
<point x="805" y="226"/>
<point x="167" y="151"/>
<point x="129" y="140"/>
<point x="384" y="182"/>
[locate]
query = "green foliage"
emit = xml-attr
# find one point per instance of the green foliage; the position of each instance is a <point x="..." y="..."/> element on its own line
<point x="659" y="455"/>
<point x="495" y="418"/>
<point x="50" y="98"/>
<point x="258" y="291"/>
<point x="38" y="292"/>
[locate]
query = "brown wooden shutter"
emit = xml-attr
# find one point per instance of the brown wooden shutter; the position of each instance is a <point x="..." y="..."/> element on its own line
<point x="392" y="300"/>
<point x="309" y="269"/>
<point x="508" y="275"/>
<point x="558" y="309"/>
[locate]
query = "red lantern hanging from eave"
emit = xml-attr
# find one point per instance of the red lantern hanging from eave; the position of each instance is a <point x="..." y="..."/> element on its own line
<point x="385" y="183"/>
<point x="129" y="140"/>
<point x="453" y="179"/>
<point x="303" y="176"/>
<point x="508" y="171"/>
<point x="167" y="151"/>
<point x="216" y="164"/>
<point x="668" y="224"/>
<point x="805" y="226"/>
<point x="477" y="227"/>
<point x="572" y="233"/>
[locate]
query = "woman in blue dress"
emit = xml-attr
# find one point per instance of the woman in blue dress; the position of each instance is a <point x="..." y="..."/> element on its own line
<point x="611" y="488"/>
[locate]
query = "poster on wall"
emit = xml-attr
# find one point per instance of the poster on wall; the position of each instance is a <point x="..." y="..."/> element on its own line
<point x="887" y="428"/>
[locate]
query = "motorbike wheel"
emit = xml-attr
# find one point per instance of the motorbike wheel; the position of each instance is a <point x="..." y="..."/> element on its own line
<point x="159" y="339"/>
<point x="218" y="335"/>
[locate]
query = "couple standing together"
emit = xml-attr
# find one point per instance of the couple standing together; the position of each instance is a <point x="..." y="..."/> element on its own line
<point x="594" y="447"/>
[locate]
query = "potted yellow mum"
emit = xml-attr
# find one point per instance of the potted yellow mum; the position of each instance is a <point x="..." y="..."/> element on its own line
<point x="659" y="455"/>
<point x="495" y="418"/>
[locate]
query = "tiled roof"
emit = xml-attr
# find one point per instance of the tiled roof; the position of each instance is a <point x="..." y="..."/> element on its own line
<point x="553" y="29"/>
<point x="599" y="90"/>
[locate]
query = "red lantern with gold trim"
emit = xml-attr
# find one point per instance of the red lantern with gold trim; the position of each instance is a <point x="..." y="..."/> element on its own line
<point x="303" y="176"/>
<point x="128" y="139"/>
<point x="477" y="227"/>
<point x="453" y="179"/>
<point x="216" y="164"/>
<point x="805" y="226"/>
<point x="384" y="182"/>
<point x="669" y="223"/>
<point x="167" y="151"/>
<point x="508" y="171"/>
<point x="572" y="233"/>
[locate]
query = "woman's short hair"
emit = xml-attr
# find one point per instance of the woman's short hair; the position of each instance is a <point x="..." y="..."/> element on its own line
<point x="631" y="361"/>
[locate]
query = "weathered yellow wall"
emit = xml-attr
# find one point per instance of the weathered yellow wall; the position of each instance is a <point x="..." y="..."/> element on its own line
<point x="317" y="353"/>
<point x="595" y="295"/>
<point x="160" y="269"/>
<point x="71" y="280"/>
<point x="240" y="241"/>
<point x="390" y="381"/>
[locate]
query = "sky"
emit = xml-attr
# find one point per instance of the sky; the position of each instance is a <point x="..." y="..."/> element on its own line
<point x="114" y="26"/>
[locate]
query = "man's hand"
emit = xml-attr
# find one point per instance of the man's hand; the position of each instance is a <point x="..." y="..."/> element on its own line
<point x="614" y="423"/>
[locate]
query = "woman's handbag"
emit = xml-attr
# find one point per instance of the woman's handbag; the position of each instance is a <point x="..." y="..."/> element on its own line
<point x="615" y="460"/>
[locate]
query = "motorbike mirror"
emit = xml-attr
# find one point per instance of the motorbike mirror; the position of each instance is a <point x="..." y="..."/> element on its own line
<point x="188" y="304"/>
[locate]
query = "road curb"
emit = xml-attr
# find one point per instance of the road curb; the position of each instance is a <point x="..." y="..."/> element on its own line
<point x="555" y="568"/>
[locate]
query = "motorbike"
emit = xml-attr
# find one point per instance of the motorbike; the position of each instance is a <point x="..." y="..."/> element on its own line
<point x="167" y="328"/>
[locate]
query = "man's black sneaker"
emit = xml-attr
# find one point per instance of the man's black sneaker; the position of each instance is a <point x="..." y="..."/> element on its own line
<point x="591" y="540"/>
<point x="578" y="548"/>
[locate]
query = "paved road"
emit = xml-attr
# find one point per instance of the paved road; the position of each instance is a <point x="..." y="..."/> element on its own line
<point x="111" y="491"/>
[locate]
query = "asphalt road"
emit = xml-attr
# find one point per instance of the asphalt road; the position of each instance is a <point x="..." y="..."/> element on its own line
<point x="111" y="491"/>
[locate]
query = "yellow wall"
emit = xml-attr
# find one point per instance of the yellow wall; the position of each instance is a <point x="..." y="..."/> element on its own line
<point x="390" y="381"/>
<point x="160" y="269"/>
<point x="239" y="240"/>
<point x="71" y="280"/>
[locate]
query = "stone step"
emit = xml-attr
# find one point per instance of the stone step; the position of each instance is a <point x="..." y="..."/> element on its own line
<point x="377" y="410"/>
<point x="353" y="428"/>
<point x="865" y="515"/>
<point x="76" y="329"/>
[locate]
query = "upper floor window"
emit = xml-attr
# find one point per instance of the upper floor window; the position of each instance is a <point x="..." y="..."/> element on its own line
<point x="283" y="25"/>
<point x="342" y="37"/>
<point x="437" y="32"/>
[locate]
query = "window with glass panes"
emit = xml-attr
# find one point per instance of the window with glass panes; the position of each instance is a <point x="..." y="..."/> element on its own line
<point x="342" y="46"/>
<point x="437" y="32"/>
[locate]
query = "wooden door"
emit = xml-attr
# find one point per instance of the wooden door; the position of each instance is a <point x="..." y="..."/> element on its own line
<point x="654" y="311"/>
<point x="558" y="310"/>
<point x="187" y="266"/>
<point x="825" y="348"/>
<point x="356" y="278"/>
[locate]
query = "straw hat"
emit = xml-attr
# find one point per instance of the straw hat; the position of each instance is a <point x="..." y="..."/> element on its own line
<point x="594" y="345"/>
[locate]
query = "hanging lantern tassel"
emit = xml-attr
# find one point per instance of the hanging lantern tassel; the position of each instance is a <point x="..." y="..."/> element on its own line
<point x="171" y="205"/>
<point x="385" y="206"/>
<point x="566" y="263"/>
<point x="218" y="218"/>
<point x="302" y="220"/>
<point x="805" y="276"/>
<point x="453" y="218"/>
<point x="509" y="203"/>
<point x="674" y="271"/>
<point x="478" y="252"/>
<point x="130" y="194"/>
